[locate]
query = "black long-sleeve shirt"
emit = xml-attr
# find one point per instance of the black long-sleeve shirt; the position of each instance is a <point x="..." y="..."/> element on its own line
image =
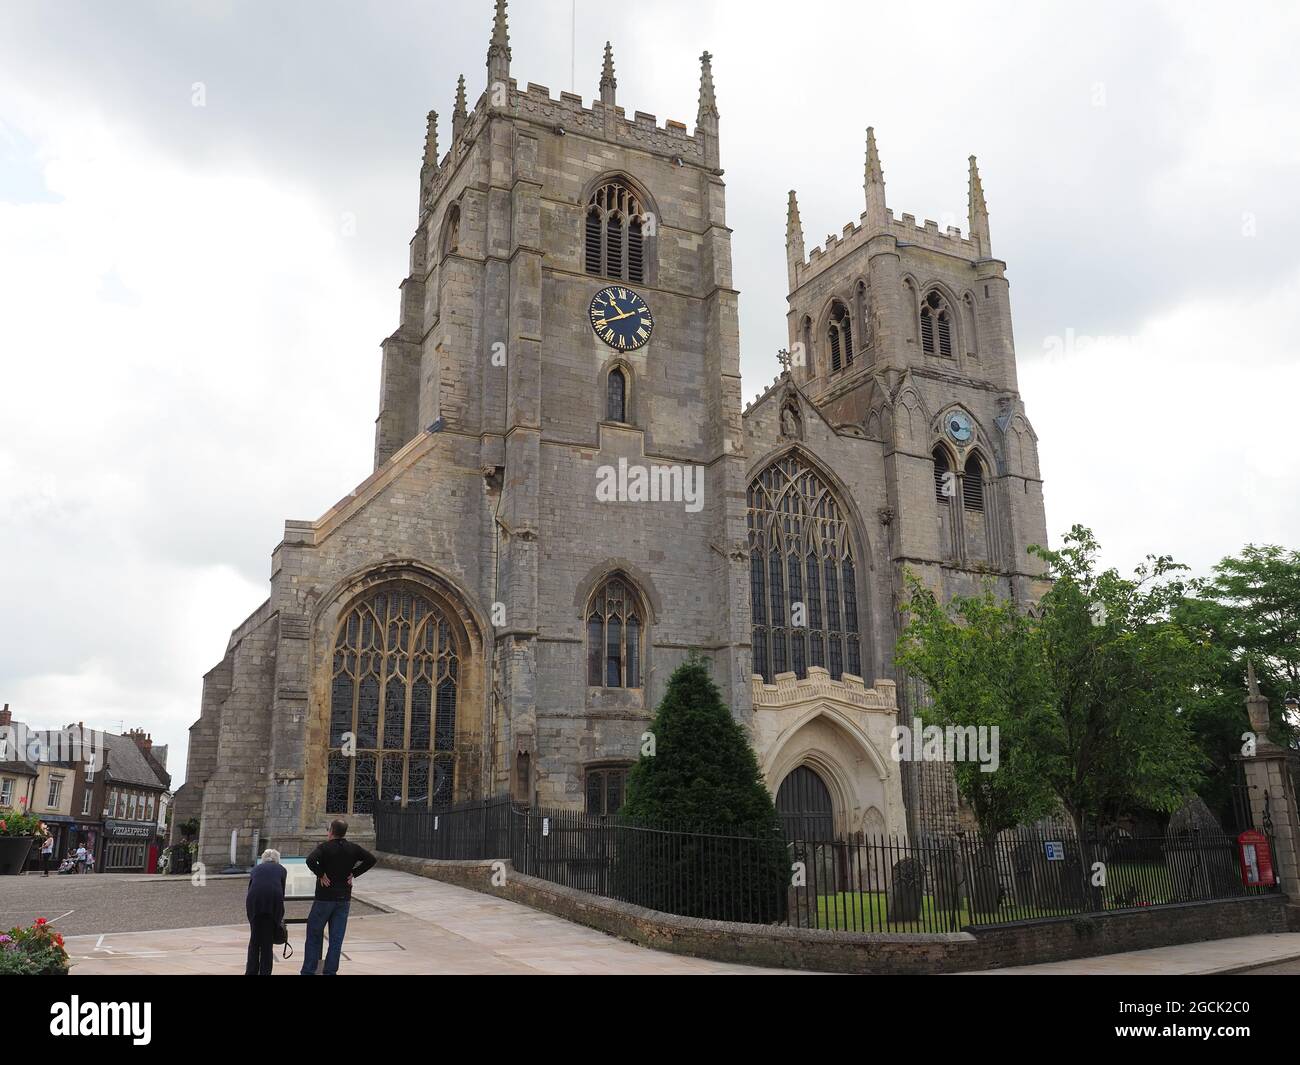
<point x="338" y="859"/>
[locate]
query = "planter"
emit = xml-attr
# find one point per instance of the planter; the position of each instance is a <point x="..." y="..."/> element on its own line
<point x="13" y="853"/>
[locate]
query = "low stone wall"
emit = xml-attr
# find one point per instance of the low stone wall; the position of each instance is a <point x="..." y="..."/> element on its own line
<point x="1023" y="943"/>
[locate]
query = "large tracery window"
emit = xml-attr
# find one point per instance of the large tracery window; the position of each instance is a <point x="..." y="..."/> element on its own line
<point x="615" y="234"/>
<point x="396" y="673"/>
<point x="803" y="582"/>
<point x="614" y="628"/>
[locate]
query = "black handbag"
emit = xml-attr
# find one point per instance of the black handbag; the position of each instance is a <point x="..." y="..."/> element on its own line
<point x="281" y="934"/>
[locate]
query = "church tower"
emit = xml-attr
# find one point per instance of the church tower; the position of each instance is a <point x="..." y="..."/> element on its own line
<point x="901" y="358"/>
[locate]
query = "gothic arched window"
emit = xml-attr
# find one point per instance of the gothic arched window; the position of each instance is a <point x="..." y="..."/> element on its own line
<point x="936" y="326"/>
<point x="614" y="633"/>
<point x="803" y="580"/>
<point x="392" y="732"/>
<point x="614" y="238"/>
<point x="839" y="333"/>
<point x="616" y="396"/>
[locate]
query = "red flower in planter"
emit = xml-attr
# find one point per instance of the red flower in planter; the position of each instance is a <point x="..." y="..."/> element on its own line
<point x="22" y="800"/>
<point x="3" y="826"/>
<point x="41" y="921"/>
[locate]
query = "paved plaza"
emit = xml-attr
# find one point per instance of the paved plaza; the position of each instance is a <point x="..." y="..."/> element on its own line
<point x="405" y="924"/>
<point x="99" y="903"/>
<point x="433" y="928"/>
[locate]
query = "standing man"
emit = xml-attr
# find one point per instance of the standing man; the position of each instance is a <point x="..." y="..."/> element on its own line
<point x="336" y="862"/>
<point x="81" y="857"/>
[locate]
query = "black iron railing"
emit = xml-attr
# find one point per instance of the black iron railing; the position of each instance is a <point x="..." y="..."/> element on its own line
<point x="866" y="884"/>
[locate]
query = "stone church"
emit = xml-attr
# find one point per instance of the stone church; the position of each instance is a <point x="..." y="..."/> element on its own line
<point x="478" y="618"/>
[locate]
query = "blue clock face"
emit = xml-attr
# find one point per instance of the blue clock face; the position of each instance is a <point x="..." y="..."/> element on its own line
<point x="621" y="318"/>
<point x="959" y="427"/>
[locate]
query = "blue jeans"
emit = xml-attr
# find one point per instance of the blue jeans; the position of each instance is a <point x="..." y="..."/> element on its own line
<point x="335" y="914"/>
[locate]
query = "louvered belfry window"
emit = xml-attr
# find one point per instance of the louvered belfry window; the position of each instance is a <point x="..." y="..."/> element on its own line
<point x="972" y="488"/>
<point x="392" y="732"/>
<point x="943" y="476"/>
<point x="936" y="326"/>
<point x="803" y="584"/>
<point x="614" y="240"/>
<point x="840" y="336"/>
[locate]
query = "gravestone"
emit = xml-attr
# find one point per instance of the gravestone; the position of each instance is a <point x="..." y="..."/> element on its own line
<point x="905" y="892"/>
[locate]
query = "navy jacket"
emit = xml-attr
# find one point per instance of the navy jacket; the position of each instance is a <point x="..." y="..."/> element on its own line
<point x="338" y="859"/>
<point x="266" y="891"/>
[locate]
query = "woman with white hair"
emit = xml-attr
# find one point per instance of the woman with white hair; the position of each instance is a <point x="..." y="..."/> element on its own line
<point x="265" y="908"/>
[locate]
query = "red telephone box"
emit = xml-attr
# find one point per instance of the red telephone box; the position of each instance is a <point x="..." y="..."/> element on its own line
<point x="1256" y="859"/>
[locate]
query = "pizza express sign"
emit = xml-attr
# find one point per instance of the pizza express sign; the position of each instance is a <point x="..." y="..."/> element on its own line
<point x="127" y="830"/>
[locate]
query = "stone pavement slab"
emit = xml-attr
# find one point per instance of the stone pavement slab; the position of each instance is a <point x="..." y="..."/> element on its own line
<point x="1186" y="959"/>
<point x="434" y="928"/>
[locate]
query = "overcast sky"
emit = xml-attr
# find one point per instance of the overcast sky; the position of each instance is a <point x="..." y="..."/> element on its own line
<point x="192" y="297"/>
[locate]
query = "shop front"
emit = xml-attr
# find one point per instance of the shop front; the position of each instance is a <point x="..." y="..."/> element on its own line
<point x="126" y="846"/>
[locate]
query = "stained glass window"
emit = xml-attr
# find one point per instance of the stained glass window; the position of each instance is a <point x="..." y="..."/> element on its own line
<point x="392" y="702"/>
<point x="801" y="553"/>
<point x="614" y="628"/>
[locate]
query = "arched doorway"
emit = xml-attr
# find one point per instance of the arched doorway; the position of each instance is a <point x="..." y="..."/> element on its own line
<point x="804" y="803"/>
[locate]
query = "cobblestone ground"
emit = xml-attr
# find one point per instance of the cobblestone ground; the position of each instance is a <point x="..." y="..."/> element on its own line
<point x="100" y="903"/>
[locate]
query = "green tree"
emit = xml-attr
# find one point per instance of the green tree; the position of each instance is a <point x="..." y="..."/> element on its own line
<point x="703" y="774"/>
<point x="1249" y="609"/>
<point x="979" y="659"/>
<point x="1089" y="694"/>
<point x="708" y="840"/>
<point x="1121" y="671"/>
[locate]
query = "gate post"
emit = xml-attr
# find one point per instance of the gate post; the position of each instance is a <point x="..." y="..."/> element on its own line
<point x="1271" y="796"/>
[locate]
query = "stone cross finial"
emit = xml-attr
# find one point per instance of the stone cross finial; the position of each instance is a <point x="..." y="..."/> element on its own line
<point x="783" y="357"/>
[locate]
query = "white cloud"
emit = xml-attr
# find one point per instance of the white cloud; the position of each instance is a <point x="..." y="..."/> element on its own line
<point x="1179" y="438"/>
<point x="172" y="335"/>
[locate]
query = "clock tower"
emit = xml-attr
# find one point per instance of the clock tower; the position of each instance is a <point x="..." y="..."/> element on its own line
<point x="570" y="308"/>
